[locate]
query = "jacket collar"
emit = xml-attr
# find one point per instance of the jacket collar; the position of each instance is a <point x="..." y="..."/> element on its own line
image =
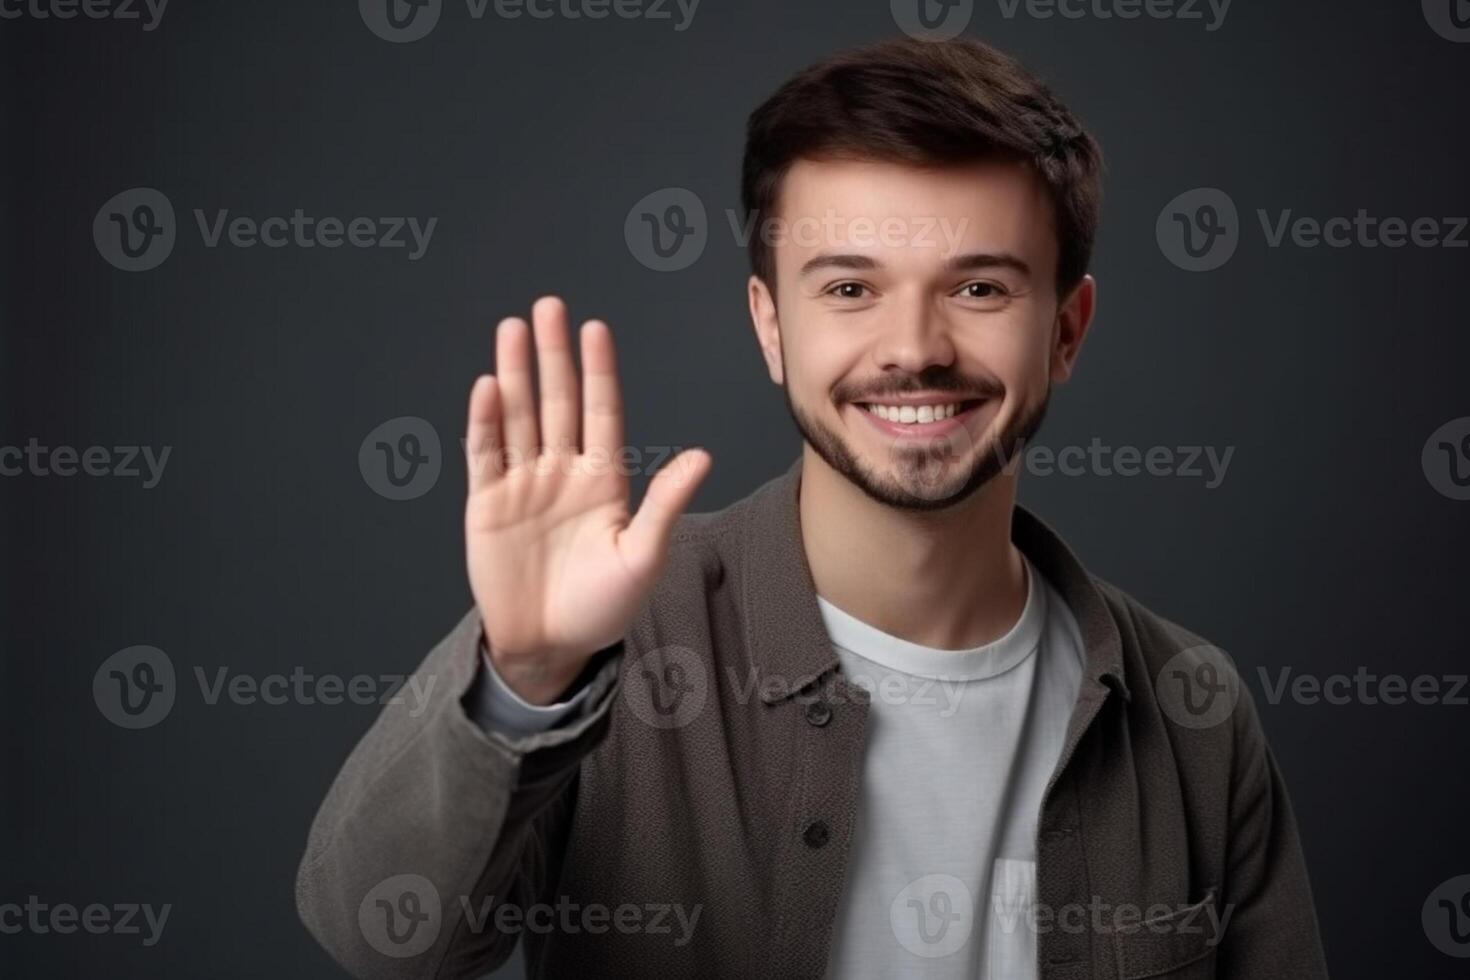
<point x="787" y="641"/>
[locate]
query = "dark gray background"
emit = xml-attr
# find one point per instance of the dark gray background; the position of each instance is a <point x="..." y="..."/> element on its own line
<point x="263" y="549"/>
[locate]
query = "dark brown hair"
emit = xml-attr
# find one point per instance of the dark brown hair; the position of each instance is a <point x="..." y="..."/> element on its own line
<point x="926" y="103"/>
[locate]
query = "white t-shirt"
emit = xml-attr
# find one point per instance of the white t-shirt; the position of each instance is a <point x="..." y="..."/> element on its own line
<point x="960" y="746"/>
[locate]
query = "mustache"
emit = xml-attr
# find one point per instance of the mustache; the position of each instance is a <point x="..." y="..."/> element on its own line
<point x="979" y="386"/>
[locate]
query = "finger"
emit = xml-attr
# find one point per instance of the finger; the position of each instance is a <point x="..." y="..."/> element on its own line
<point x="646" y="538"/>
<point x="602" y="399"/>
<point x="483" y="443"/>
<point x="557" y="375"/>
<point x="517" y="400"/>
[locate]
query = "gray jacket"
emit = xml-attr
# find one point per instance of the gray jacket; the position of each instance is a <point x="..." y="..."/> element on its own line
<point x="695" y="819"/>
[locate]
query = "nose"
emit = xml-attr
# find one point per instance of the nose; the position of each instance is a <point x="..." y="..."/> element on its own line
<point x="916" y="337"/>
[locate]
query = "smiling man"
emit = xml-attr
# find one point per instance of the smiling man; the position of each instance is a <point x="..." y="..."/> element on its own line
<point x="874" y="719"/>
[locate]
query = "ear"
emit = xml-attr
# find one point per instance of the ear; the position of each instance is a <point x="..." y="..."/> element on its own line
<point x="767" y="326"/>
<point x="1074" y="317"/>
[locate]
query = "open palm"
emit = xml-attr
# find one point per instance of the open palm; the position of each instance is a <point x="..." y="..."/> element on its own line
<point x="558" y="563"/>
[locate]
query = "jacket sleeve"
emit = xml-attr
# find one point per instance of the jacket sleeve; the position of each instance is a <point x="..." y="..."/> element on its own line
<point x="495" y="707"/>
<point x="434" y="824"/>
<point x="1272" y="927"/>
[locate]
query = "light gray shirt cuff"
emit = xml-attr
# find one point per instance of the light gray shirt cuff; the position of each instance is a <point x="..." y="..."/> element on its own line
<point x="496" y="707"/>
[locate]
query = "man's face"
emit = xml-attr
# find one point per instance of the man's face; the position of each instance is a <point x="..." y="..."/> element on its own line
<point x="916" y="327"/>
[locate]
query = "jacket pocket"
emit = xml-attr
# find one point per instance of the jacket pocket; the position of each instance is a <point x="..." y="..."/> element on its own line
<point x="1179" y="945"/>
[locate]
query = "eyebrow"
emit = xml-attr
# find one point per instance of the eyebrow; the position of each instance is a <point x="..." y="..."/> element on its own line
<point x="969" y="262"/>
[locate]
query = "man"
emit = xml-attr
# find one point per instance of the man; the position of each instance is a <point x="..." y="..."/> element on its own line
<point x="874" y="719"/>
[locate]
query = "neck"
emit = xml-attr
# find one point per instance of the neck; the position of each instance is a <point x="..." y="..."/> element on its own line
<point x="947" y="578"/>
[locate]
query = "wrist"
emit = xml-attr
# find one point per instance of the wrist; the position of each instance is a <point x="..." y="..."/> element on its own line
<point x="535" y="681"/>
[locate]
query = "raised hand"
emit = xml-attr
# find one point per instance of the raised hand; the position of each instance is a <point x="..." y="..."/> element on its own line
<point x="558" y="563"/>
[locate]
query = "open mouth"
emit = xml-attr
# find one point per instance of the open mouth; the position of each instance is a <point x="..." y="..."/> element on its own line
<point x="918" y="416"/>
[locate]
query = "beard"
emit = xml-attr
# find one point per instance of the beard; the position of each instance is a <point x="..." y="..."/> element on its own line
<point x="940" y="473"/>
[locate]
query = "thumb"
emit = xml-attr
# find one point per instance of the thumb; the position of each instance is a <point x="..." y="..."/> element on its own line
<point x="669" y="492"/>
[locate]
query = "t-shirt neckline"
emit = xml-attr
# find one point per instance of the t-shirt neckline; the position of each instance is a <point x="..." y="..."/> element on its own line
<point x="972" y="664"/>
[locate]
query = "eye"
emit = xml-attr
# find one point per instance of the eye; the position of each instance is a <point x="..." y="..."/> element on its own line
<point x="982" y="289"/>
<point x="847" y="290"/>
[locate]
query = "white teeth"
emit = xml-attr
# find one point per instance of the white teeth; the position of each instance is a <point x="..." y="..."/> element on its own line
<point x="911" y="415"/>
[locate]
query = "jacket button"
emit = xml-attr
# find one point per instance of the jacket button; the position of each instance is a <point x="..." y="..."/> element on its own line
<point x="818" y="713"/>
<point x="816" y="833"/>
